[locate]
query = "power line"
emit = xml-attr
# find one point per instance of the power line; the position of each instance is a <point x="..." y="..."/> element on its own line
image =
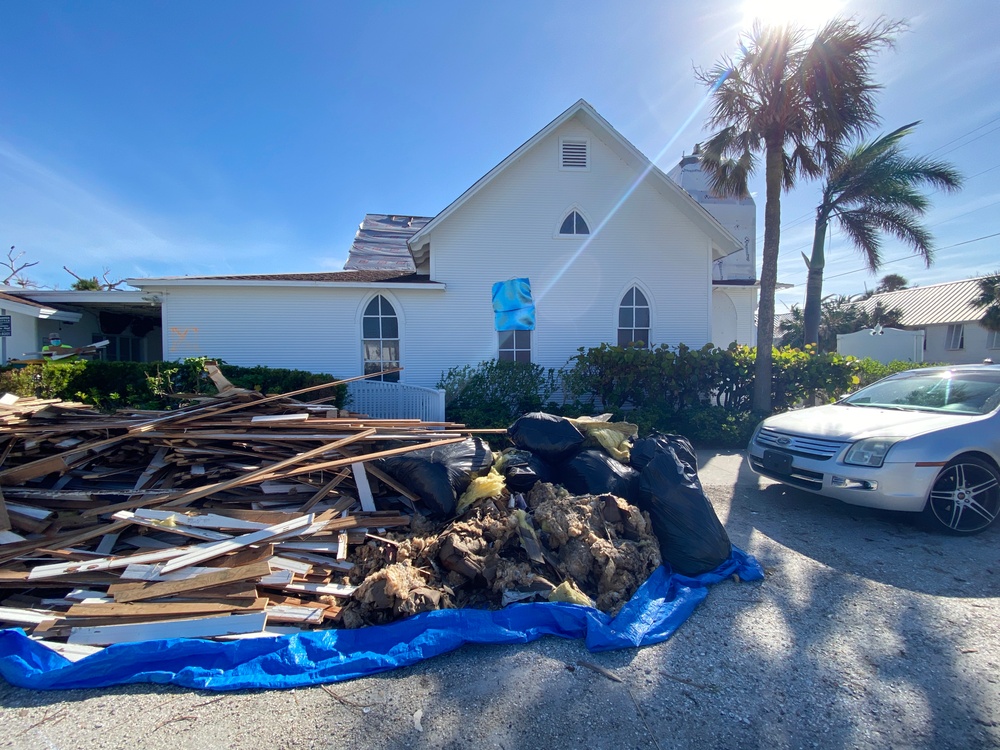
<point x="905" y="257"/>
<point x="970" y="132"/>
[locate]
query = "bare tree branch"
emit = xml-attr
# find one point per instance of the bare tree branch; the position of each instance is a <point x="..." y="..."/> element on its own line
<point x="15" y="275"/>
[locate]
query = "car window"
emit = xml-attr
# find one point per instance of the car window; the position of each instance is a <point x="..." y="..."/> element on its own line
<point x="957" y="392"/>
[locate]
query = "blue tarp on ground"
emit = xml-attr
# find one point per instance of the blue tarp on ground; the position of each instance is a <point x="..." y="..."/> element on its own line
<point x="652" y="615"/>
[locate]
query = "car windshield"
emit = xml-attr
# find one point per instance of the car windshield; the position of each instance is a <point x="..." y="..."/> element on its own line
<point x="955" y="391"/>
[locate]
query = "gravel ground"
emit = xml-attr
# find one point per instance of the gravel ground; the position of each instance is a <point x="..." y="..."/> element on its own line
<point x="866" y="633"/>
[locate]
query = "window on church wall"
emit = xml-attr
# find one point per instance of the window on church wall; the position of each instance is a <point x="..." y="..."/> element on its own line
<point x="633" y="318"/>
<point x="380" y="338"/>
<point x="574" y="224"/>
<point x="514" y="346"/>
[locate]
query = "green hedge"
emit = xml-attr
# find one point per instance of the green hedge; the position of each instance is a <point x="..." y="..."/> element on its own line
<point x="495" y="393"/>
<point x="153" y="385"/>
<point x="704" y="394"/>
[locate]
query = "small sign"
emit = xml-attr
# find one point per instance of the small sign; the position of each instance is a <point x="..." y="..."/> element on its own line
<point x="4" y="325"/>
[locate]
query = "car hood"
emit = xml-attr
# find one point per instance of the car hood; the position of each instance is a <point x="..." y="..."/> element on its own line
<point x="837" y="422"/>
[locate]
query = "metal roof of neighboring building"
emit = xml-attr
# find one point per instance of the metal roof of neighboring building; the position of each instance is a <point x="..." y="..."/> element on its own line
<point x="950" y="302"/>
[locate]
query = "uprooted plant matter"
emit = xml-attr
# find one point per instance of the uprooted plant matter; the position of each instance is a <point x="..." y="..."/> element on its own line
<point x="547" y="545"/>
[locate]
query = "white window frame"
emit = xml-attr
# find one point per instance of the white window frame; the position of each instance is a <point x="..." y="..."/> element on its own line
<point x="394" y="304"/>
<point x="993" y="339"/>
<point x="954" y="338"/>
<point x="648" y="306"/>
<point x="518" y="347"/>
<point x="585" y="142"/>
<point x="566" y="214"/>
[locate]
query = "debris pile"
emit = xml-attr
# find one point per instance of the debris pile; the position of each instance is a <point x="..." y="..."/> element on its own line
<point x="249" y="516"/>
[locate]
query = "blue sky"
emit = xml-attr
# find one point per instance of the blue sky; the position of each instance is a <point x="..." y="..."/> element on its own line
<point x="155" y="138"/>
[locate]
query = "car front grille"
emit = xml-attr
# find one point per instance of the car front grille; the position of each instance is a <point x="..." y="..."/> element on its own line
<point x="797" y="445"/>
<point x="807" y="480"/>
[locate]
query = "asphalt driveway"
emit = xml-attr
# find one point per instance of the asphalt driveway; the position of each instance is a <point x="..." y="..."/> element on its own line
<point x="867" y="632"/>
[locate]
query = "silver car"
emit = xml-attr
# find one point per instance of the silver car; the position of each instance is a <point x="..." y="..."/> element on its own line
<point x="925" y="440"/>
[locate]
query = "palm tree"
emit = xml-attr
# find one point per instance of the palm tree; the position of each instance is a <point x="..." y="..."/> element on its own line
<point x="840" y="314"/>
<point x="793" y="101"/>
<point x="891" y="282"/>
<point x="989" y="297"/>
<point x="874" y="190"/>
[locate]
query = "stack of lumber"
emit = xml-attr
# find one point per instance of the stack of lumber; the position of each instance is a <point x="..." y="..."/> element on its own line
<point x="228" y="518"/>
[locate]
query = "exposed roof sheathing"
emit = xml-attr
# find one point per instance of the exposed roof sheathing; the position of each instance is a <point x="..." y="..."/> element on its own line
<point x="380" y="243"/>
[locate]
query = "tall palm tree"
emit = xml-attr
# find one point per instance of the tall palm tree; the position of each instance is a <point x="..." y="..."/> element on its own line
<point x="989" y="297"/>
<point x="874" y="190"/>
<point x="793" y="101"/>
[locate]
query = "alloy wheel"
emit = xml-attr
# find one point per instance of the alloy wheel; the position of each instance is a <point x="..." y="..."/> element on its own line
<point x="965" y="498"/>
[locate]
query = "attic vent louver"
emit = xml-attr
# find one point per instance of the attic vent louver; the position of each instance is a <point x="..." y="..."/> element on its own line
<point x="574" y="154"/>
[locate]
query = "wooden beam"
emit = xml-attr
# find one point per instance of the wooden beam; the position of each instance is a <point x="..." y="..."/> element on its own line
<point x="280" y="396"/>
<point x="145" y="591"/>
<point x="231" y="545"/>
<point x="154" y="609"/>
<point x="202" y="627"/>
<point x="186" y="497"/>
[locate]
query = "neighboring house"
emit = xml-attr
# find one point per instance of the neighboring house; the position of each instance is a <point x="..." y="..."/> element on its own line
<point x="129" y="321"/>
<point x="944" y="312"/>
<point x="573" y="240"/>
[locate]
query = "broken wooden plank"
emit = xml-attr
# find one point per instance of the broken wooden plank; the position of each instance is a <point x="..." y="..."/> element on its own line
<point x="200" y="520"/>
<point x="202" y="627"/>
<point x="142" y="592"/>
<point x="154" y="609"/>
<point x="105" y="563"/>
<point x="340" y="590"/>
<point x="231" y="545"/>
<point x="58" y="463"/>
<point x="70" y="651"/>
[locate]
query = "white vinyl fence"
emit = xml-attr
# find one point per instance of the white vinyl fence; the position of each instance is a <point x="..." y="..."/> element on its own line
<point x="395" y="401"/>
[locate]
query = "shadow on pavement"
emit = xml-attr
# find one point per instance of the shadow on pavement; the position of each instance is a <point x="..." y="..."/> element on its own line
<point x="884" y="546"/>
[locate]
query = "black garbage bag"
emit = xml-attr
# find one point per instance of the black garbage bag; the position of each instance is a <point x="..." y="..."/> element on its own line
<point x="692" y="539"/>
<point x="438" y="476"/>
<point x="553" y="438"/>
<point x="594" y="472"/>
<point x="523" y="469"/>
<point x="642" y="450"/>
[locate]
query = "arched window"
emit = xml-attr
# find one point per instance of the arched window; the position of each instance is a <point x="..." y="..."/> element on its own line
<point x="380" y="338"/>
<point x="633" y="318"/>
<point x="574" y="224"/>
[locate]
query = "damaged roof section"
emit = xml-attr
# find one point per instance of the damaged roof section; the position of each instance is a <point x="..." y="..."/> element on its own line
<point x="380" y="243"/>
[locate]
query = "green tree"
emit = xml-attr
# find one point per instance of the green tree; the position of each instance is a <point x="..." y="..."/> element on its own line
<point x="792" y="100"/>
<point x="839" y="314"/>
<point x="86" y="285"/>
<point x="891" y="282"/>
<point x="989" y="297"/>
<point x="873" y="190"/>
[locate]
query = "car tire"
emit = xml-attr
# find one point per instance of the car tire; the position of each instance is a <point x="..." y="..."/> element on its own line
<point x="965" y="497"/>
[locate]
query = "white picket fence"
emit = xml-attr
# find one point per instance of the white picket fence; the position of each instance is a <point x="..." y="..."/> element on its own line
<point x="395" y="401"/>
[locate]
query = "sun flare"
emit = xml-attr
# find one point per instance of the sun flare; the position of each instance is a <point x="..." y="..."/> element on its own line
<point x="810" y="15"/>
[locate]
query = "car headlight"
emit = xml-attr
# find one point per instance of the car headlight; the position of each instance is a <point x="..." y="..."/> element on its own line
<point x="869" y="452"/>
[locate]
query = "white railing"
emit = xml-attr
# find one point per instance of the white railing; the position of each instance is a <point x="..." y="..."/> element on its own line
<point x="395" y="401"/>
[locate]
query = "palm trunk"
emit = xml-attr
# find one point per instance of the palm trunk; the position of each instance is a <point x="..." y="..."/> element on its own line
<point x="768" y="278"/>
<point x="814" y="284"/>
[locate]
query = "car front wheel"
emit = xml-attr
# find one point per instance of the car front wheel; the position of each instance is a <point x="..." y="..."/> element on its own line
<point x="965" y="498"/>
